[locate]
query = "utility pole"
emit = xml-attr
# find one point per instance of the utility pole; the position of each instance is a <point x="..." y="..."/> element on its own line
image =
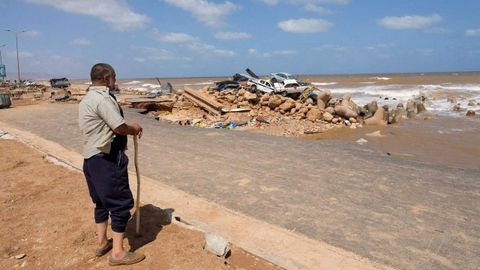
<point x="1" y="60"/>
<point x="18" y="58"/>
<point x="3" y="72"/>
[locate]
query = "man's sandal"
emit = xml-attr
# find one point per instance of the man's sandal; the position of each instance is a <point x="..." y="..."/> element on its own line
<point x="130" y="258"/>
<point x="99" y="252"/>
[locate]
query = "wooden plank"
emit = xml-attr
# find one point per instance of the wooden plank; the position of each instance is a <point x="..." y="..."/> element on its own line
<point x="199" y="95"/>
<point x="204" y="102"/>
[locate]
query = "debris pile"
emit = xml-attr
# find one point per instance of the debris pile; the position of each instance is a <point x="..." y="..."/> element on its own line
<point x="313" y="111"/>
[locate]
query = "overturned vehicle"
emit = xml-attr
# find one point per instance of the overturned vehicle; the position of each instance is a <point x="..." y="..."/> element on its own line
<point x="59" y="83"/>
<point x="281" y="83"/>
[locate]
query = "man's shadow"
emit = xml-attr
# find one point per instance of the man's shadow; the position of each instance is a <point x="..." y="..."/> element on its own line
<point x="152" y="220"/>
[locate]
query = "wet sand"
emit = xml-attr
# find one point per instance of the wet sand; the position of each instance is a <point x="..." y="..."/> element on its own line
<point x="442" y="140"/>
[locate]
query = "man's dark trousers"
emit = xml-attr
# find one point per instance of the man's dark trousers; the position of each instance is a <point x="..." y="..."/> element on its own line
<point x="107" y="179"/>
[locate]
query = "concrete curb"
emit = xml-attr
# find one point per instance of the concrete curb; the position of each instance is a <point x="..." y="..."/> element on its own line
<point x="277" y="245"/>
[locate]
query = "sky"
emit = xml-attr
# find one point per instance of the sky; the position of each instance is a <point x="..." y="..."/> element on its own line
<point x="197" y="38"/>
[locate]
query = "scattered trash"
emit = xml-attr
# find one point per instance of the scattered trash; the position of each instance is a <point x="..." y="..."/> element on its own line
<point x="20" y="256"/>
<point x="6" y="136"/>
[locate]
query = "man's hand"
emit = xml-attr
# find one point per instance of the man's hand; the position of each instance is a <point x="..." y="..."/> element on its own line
<point x="138" y="130"/>
<point x="134" y="129"/>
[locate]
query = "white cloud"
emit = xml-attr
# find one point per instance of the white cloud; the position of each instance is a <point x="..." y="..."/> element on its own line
<point x="81" y="42"/>
<point x="306" y="2"/>
<point x="331" y="47"/>
<point x="410" y="22"/>
<point x="151" y="53"/>
<point x="140" y="59"/>
<point x="115" y="13"/>
<point x="438" y="30"/>
<point x="380" y="46"/>
<point x="32" y="33"/>
<point x="425" y="52"/>
<point x="305" y="25"/>
<point x="13" y="54"/>
<point x="172" y="37"/>
<point x="316" y="8"/>
<point x="309" y="5"/>
<point x="232" y="35"/>
<point x="209" y="50"/>
<point x="210" y="13"/>
<point x="473" y="32"/>
<point x="256" y="53"/>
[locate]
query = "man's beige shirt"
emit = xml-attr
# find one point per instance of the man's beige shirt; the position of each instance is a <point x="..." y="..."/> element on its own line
<point x="98" y="115"/>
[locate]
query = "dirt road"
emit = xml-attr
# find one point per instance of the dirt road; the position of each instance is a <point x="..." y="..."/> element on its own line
<point x="46" y="215"/>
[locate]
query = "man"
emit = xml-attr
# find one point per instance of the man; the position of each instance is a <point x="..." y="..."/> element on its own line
<point x="105" y="165"/>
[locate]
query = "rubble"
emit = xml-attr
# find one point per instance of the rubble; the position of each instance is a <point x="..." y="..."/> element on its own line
<point x="240" y="106"/>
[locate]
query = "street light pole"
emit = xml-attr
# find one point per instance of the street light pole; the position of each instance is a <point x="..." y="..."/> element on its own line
<point x="18" y="58"/>
<point x="1" y="59"/>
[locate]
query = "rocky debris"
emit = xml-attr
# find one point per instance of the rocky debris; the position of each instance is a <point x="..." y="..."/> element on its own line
<point x="397" y="115"/>
<point x="420" y="107"/>
<point x="347" y="108"/>
<point x="471" y="113"/>
<point x="327" y="116"/>
<point x="288" y="105"/>
<point x="457" y="108"/>
<point x="312" y="112"/>
<point x="371" y="107"/>
<point x="472" y="103"/>
<point x="274" y="101"/>
<point x="378" y="118"/>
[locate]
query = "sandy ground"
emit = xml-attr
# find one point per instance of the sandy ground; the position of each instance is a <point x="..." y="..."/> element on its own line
<point x="46" y="214"/>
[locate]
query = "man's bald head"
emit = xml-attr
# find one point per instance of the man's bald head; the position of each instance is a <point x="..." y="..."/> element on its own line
<point x="100" y="71"/>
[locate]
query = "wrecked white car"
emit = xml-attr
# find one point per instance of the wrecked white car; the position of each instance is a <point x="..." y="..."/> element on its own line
<point x="282" y="76"/>
<point x="261" y="86"/>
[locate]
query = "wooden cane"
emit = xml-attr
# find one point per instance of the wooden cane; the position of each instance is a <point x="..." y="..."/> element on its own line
<point x="137" y="170"/>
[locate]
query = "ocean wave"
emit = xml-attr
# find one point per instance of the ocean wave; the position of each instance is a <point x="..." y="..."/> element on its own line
<point x="324" y="83"/>
<point x="133" y="82"/>
<point x="199" y="83"/>
<point x="393" y="94"/>
<point x="380" y="78"/>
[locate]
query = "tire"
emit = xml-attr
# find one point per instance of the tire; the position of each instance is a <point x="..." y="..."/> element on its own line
<point x="283" y="94"/>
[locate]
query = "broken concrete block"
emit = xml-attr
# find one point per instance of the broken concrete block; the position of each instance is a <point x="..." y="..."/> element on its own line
<point x="471" y="113"/>
<point x="372" y="107"/>
<point x="377" y="119"/>
<point x="314" y="114"/>
<point x="287" y="105"/>
<point x="345" y="111"/>
<point x="327" y="116"/>
<point x="274" y="101"/>
<point x="216" y="244"/>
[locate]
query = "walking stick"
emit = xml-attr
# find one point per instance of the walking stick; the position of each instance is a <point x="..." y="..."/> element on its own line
<point x="137" y="170"/>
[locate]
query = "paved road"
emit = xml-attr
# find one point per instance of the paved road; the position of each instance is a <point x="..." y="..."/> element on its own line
<point x="403" y="213"/>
